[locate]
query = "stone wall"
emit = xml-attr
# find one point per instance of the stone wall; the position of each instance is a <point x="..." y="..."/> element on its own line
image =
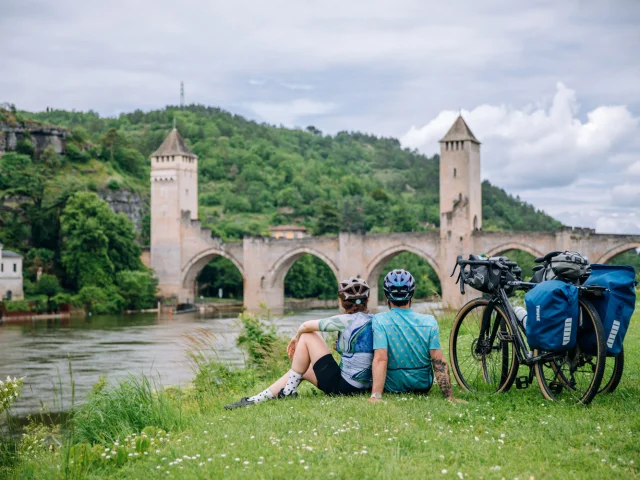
<point x="42" y="137"/>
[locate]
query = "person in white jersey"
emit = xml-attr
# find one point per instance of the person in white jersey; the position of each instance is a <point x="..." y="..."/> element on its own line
<point x="312" y="360"/>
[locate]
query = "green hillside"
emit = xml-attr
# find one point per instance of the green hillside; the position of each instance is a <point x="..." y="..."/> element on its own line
<point x="255" y="175"/>
<point x="251" y="176"/>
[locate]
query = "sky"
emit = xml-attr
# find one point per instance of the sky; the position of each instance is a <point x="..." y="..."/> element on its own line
<point x="551" y="89"/>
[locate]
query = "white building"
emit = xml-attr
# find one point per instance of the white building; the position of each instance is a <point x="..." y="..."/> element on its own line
<point x="10" y="275"/>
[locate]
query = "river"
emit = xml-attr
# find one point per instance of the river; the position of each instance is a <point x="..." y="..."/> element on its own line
<point x="115" y="346"/>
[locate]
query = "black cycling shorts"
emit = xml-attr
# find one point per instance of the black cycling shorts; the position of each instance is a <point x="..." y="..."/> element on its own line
<point x="330" y="379"/>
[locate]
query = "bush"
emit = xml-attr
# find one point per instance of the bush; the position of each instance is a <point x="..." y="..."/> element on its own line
<point x="76" y="154"/>
<point x="137" y="288"/>
<point x="267" y="351"/>
<point x="9" y="391"/>
<point x="25" y="147"/>
<point x="113" y="185"/>
<point x="99" y="300"/>
<point x="48" y="285"/>
<point x="17" y="306"/>
<point x="115" y="411"/>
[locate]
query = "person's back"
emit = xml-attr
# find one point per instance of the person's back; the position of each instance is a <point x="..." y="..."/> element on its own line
<point x="407" y="354"/>
<point x="409" y="338"/>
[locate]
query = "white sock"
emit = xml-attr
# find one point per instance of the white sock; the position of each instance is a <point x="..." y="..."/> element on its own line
<point x="293" y="382"/>
<point x="262" y="396"/>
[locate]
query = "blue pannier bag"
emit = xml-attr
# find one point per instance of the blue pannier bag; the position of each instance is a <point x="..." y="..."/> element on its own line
<point x="552" y="316"/>
<point x="615" y="307"/>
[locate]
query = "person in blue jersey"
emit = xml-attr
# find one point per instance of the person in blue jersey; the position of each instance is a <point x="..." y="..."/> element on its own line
<point x="407" y="354"/>
<point x="312" y="360"/>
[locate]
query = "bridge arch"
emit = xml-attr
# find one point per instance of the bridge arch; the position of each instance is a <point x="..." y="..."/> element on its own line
<point x="279" y="270"/>
<point x="194" y="266"/>
<point x="374" y="268"/>
<point x="625" y="247"/>
<point x="505" y="247"/>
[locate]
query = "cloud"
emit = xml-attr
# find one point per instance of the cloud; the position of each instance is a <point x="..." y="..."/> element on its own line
<point x="571" y="166"/>
<point x="619" y="223"/>
<point x="289" y="86"/>
<point x="633" y="170"/>
<point x="626" y="195"/>
<point x="545" y="146"/>
<point x="288" y="113"/>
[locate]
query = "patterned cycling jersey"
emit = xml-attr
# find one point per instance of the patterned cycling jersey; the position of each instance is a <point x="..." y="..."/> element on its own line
<point x="355" y="344"/>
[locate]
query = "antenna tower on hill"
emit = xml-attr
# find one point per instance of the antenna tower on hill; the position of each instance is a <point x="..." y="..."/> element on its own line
<point x="181" y="94"/>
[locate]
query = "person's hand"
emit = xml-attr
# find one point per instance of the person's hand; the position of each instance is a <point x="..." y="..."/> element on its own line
<point x="374" y="400"/>
<point x="454" y="400"/>
<point x="291" y="348"/>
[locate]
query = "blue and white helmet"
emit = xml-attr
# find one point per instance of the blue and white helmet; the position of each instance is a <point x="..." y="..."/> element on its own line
<point x="399" y="285"/>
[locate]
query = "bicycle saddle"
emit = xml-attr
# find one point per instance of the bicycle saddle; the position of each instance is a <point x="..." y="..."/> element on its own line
<point x="547" y="257"/>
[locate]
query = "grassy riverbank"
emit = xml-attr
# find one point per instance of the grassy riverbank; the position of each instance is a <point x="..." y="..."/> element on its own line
<point x="515" y="435"/>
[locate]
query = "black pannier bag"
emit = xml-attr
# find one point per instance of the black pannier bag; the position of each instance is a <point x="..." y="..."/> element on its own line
<point x="566" y="266"/>
<point x="487" y="279"/>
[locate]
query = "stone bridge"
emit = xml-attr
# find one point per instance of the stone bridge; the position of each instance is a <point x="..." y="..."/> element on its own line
<point x="181" y="248"/>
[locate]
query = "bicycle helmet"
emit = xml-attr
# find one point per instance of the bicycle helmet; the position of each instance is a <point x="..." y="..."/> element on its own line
<point x="354" y="290"/>
<point x="399" y="285"/>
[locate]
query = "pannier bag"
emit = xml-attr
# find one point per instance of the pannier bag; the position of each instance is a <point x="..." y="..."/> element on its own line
<point x="552" y="316"/>
<point x="615" y="307"/>
<point x="487" y="279"/>
<point x="483" y="278"/>
<point x="567" y="266"/>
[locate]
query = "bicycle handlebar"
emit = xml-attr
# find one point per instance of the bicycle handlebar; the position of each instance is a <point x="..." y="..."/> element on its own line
<point x="499" y="262"/>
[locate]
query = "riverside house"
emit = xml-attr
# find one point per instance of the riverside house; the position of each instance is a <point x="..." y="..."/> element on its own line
<point x="10" y="275"/>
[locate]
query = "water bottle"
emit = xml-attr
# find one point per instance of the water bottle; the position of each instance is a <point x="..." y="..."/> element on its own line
<point x="521" y="315"/>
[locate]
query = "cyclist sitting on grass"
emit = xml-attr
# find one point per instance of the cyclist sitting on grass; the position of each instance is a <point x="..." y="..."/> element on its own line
<point x="312" y="359"/>
<point x="406" y="344"/>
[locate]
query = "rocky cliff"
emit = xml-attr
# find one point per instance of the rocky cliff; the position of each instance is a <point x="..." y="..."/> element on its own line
<point x="132" y="204"/>
<point x="40" y="136"/>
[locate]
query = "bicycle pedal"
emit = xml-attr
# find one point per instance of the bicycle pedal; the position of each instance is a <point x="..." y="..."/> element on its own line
<point x="522" y="383"/>
<point x="555" y="387"/>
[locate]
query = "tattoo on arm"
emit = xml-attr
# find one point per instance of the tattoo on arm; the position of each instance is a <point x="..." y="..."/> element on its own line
<point x="441" y="371"/>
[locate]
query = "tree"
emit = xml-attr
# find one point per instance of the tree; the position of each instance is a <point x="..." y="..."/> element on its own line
<point x="97" y="243"/>
<point x="39" y="258"/>
<point x="328" y="221"/>
<point x="137" y="288"/>
<point x="353" y="219"/>
<point x="48" y="286"/>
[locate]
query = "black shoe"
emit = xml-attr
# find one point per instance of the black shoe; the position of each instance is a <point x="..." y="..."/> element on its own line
<point x="281" y="394"/>
<point x="244" y="402"/>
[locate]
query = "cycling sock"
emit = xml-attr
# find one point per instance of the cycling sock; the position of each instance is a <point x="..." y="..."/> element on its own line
<point x="292" y="383"/>
<point x="262" y="396"/>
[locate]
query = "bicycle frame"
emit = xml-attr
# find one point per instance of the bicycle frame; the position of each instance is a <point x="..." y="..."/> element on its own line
<point x="524" y="355"/>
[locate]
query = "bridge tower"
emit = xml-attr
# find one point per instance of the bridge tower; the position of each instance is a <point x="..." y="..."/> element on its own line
<point x="460" y="200"/>
<point x="174" y="197"/>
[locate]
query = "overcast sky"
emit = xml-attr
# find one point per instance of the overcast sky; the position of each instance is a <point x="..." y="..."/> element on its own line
<point x="551" y="88"/>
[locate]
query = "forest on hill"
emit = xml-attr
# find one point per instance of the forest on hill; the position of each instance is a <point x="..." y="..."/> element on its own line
<point x="255" y="175"/>
<point x="251" y="176"/>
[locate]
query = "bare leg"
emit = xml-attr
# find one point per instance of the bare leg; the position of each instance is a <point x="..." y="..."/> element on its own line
<point x="310" y="348"/>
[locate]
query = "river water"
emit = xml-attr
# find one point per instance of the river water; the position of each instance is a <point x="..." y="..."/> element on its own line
<point x="115" y="346"/>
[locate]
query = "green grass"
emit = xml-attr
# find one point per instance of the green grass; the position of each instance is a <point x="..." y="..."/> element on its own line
<point x="513" y="435"/>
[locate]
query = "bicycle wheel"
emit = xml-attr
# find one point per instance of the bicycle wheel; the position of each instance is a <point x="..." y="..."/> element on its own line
<point x="575" y="376"/>
<point x="479" y="364"/>
<point x="612" y="373"/>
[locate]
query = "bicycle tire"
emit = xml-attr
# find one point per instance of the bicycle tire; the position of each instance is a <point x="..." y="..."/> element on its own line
<point x="560" y="379"/>
<point x="508" y="362"/>
<point x="613" y="380"/>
